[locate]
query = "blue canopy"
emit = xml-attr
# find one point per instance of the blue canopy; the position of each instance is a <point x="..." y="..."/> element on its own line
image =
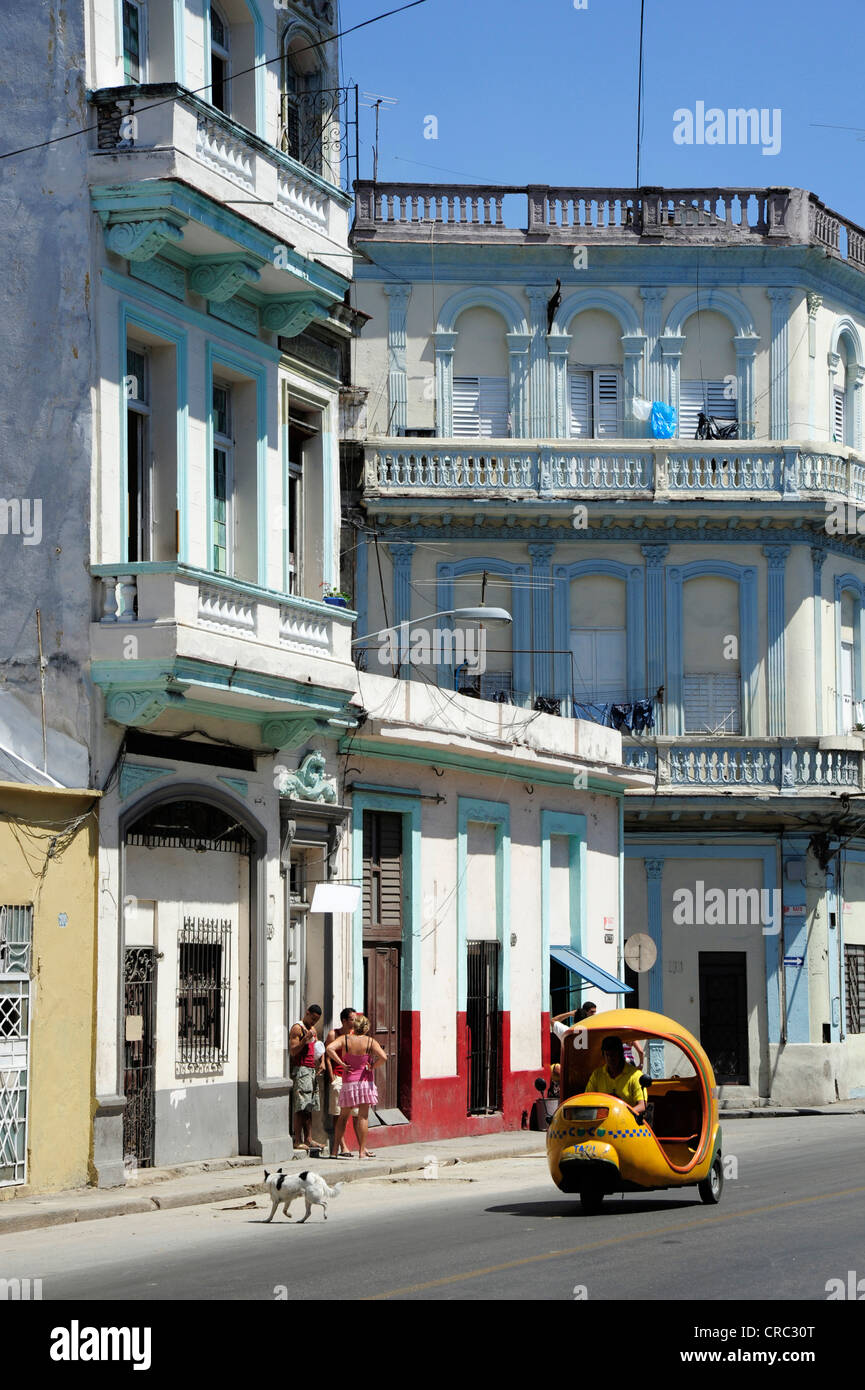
<point x="578" y="965"/>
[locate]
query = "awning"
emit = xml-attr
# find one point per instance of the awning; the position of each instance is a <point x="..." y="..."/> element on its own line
<point x="578" y="965"/>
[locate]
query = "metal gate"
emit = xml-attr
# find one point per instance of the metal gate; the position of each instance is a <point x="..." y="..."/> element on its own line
<point x="16" y="934"/>
<point x="483" y="1026"/>
<point x="138" y="1075"/>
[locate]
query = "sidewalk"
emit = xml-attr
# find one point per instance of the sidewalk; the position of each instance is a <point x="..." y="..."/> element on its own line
<point x="233" y="1179"/>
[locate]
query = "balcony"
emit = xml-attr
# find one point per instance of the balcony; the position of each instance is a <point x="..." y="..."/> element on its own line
<point x="668" y="471"/>
<point x="599" y="216"/>
<point x="169" y="639"/>
<point x="162" y="132"/>
<point x="741" y="766"/>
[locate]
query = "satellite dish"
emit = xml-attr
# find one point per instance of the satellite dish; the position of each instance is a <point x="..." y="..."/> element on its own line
<point x="640" y="952"/>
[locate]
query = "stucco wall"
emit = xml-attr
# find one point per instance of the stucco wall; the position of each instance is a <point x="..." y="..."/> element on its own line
<point x="63" y="978"/>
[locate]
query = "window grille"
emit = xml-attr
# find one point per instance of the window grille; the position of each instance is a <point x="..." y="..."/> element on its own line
<point x="16" y="932"/>
<point x="203" y="992"/>
<point x="854" y="973"/>
<point x="483" y="1028"/>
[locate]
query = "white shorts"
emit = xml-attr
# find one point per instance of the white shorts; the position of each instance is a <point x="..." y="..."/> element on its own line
<point x="333" y="1106"/>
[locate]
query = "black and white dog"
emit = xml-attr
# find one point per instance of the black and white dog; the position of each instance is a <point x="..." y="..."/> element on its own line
<point x="285" y="1187"/>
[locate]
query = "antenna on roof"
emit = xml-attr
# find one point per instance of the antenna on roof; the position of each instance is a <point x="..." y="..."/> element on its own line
<point x="640" y="92"/>
<point x="375" y="103"/>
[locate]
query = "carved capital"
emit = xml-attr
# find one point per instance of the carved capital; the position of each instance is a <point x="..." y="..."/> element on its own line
<point x="289" y="317"/>
<point x="289" y="733"/>
<point x="779" y="296"/>
<point x="776" y="555"/>
<point x="655" y="555"/>
<point x="140" y="241"/>
<point x="399" y="295"/>
<point x="401" y="554"/>
<point x="814" y="302"/>
<point x="654" y="868"/>
<point x="818" y="558"/>
<point x="220" y="280"/>
<point x="541" y="554"/>
<point x="654" y="295"/>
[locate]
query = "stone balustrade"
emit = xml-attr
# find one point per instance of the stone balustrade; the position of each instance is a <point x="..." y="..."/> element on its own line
<point x="402" y="211"/>
<point x="644" y="471"/>
<point x="788" y="767"/>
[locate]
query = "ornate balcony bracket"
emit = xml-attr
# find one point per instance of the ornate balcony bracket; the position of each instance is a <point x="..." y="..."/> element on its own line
<point x="141" y="240"/>
<point x="291" y="732"/>
<point x="291" y="316"/>
<point x="220" y="281"/>
<point x="136" y="707"/>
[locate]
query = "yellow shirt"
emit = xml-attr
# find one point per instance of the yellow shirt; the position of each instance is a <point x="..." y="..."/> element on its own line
<point x="626" y="1085"/>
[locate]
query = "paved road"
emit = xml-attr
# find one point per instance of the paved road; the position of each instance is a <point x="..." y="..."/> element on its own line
<point x="792" y="1219"/>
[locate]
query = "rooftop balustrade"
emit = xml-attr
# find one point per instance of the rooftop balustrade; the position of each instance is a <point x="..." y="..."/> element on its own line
<point x="808" y="765"/>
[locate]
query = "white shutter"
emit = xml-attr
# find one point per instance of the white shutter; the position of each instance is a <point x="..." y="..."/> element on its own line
<point x="583" y="651"/>
<point x="839" y="422"/>
<point x="580" y="388"/>
<point x="712" y="704"/>
<point x="466" y="407"/>
<point x="607" y="404"/>
<point x="611" y="665"/>
<point x="692" y="401"/>
<point x="493" y="407"/>
<point x="847" y="710"/>
<point x="718" y="401"/>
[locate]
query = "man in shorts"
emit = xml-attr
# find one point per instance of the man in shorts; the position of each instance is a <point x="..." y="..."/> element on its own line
<point x="305" y="1067"/>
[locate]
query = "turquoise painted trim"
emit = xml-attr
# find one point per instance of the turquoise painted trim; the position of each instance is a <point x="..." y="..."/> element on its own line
<point x="215" y="328"/>
<point x="482" y="297"/>
<point x="153" y="675"/>
<point x="852" y="584"/>
<point x="180" y="42"/>
<point x="498" y="814"/>
<point x="520" y="611"/>
<point x="746" y="577"/>
<point x="130" y="315"/>
<point x="237" y="784"/>
<point x="574" y="828"/>
<point x="795" y="943"/>
<point x="409" y="807"/>
<point x="633" y="577"/>
<point x="671" y="849"/>
<point x="215" y="354"/>
<point x="409" y="753"/>
<point x="163" y="196"/>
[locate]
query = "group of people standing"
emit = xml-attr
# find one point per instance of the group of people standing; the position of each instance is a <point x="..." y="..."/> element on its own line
<point x="349" y="1057"/>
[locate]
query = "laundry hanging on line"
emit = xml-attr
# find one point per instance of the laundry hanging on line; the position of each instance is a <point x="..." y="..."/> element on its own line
<point x="633" y="717"/>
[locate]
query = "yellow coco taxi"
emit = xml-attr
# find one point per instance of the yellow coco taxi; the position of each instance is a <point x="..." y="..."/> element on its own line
<point x="595" y="1143"/>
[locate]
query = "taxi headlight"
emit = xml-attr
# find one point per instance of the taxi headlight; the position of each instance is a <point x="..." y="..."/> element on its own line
<point x="585" y="1114"/>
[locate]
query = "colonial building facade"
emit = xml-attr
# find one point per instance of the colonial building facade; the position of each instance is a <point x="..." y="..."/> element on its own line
<point x="705" y="594"/>
<point x="182" y="264"/>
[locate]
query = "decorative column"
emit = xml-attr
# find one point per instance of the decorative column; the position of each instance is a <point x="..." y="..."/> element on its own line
<point x="856" y="375"/>
<point x="655" y="556"/>
<point x="670" y="347"/>
<point x="777" y="558"/>
<point x="654" y="886"/>
<point x="399" y="296"/>
<point x="445" y="344"/>
<point x="558" y="346"/>
<point x="518" y="363"/>
<point x="833" y="361"/>
<point x="814" y="302"/>
<point x="818" y="559"/>
<point x="542" y="666"/>
<point x="779" y="362"/>
<point x="746" y="351"/>
<point x="538" y="297"/>
<point x="793" y="922"/>
<point x="401" y="556"/>
<point x="633" y="349"/>
<point x="653" y="300"/>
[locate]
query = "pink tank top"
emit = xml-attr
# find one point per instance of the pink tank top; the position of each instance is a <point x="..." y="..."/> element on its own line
<point x="355" y="1064"/>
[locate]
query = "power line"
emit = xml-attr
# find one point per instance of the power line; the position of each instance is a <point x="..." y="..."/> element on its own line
<point x="167" y="101"/>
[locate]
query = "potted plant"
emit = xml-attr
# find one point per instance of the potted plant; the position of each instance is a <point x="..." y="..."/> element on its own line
<point x="337" y="598"/>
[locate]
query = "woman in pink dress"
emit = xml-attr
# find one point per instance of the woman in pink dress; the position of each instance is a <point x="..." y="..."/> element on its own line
<point x="359" y="1055"/>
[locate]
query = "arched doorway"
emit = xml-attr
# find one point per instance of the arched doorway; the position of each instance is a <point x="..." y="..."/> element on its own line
<point x="185" y="986"/>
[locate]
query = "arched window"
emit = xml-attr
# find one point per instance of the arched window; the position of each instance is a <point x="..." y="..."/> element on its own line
<point x="842" y="409"/>
<point x="303" y="115"/>
<point x="220" y="61"/>
<point x="481" y="374"/>
<point x="598" y="639"/>
<point x="708" y="379"/>
<point x="595" y="392"/>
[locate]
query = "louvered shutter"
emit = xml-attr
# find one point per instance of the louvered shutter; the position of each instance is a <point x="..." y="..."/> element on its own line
<point x="382" y="874"/>
<point x="692" y="403"/>
<point x="719" y="402"/>
<point x="712" y="703"/>
<point x="493" y="407"/>
<point x="839" y="420"/>
<point x="466" y="407"/>
<point x="611" y="666"/>
<point x="607" y="404"/>
<point x="580" y="388"/>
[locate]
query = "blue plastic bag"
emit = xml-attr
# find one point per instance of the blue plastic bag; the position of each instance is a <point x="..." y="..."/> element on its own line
<point x="663" y="420"/>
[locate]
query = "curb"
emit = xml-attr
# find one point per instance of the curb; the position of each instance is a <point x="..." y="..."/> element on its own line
<point x="135" y="1204"/>
<point x="771" y="1112"/>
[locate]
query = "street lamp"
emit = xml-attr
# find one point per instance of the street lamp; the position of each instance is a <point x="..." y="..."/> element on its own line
<point x="492" y="617"/>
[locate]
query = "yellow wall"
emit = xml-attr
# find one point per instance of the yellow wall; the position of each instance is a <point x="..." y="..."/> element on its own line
<point x="62" y="989"/>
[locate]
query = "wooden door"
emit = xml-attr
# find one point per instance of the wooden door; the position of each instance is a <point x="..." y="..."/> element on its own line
<point x="724" y="1015"/>
<point x="381" y="1005"/>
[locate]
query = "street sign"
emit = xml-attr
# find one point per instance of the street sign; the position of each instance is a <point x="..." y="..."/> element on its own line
<point x="796" y="961"/>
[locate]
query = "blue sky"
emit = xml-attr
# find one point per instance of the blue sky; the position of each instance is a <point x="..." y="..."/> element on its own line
<point x="541" y="92"/>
